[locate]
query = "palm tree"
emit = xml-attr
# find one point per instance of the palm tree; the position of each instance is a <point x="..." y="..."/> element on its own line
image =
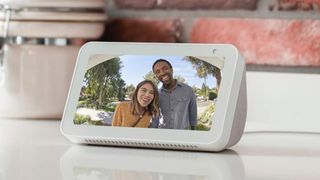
<point x="204" y="69"/>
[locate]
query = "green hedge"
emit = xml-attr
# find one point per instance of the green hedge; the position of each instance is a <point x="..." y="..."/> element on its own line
<point x="80" y="119"/>
<point x="205" y="119"/>
<point x="212" y="95"/>
<point x="202" y="127"/>
<point x="206" y="116"/>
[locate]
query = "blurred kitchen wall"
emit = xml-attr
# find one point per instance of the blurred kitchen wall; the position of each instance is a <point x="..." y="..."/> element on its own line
<point x="273" y="35"/>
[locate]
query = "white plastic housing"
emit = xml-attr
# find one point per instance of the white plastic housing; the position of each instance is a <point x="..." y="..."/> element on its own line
<point x="229" y="117"/>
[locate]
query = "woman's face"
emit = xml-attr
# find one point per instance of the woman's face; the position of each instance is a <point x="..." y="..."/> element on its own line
<point x="145" y="95"/>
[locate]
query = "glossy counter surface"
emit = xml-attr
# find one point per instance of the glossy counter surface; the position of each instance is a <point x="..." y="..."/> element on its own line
<point x="34" y="149"/>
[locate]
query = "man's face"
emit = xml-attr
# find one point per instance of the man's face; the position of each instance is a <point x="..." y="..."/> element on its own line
<point x="163" y="72"/>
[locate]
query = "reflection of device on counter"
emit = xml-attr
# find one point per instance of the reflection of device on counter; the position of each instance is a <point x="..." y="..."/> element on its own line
<point x="38" y="47"/>
<point x="90" y="162"/>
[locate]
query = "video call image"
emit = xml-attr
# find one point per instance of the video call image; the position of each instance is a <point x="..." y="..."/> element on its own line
<point x="161" y="92"/>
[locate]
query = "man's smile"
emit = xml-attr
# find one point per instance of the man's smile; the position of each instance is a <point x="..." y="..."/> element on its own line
<point x="165" y="77"/>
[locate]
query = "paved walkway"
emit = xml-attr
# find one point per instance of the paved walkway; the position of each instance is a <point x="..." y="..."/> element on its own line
<point x="97" y="115"/>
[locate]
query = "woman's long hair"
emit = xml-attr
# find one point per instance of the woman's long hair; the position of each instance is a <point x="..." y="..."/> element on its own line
<point x="153" y="108"/>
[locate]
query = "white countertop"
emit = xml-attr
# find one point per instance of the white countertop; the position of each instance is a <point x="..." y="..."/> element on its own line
<point x="35" y="149"/>
<point x="282" y="141"/>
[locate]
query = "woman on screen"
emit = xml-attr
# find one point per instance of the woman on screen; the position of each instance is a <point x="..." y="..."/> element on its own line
<point x="142" y="111"/>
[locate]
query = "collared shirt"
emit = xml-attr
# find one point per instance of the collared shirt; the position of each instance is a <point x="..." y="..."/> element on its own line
<point x="178" y="108"/>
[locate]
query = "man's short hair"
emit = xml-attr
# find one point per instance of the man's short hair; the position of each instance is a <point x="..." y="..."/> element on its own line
<point x="161" y="60"/>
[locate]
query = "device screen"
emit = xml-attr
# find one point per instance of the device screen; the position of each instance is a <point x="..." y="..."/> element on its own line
<point x="161" y="92"/>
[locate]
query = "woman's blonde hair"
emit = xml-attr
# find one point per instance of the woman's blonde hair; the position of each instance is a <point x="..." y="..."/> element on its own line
<point x="152" y="108"/>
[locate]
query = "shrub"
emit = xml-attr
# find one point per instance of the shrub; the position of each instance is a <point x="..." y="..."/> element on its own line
<point x="110" y="107"/>
<point x="98" y="123"/>
<point x="212" y="95"/>
<point x="202" y="127"/>
<point x="206" y="116"/>
<point x="80" y="119"/>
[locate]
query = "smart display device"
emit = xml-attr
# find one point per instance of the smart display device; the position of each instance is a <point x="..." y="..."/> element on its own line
<point x="157" y="95"/>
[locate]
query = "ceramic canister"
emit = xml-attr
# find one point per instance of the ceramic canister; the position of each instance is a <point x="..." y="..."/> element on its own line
<point x="39" y="43"/>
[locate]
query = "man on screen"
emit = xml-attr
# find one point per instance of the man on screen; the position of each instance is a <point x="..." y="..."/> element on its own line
<point x="177" y="100"/>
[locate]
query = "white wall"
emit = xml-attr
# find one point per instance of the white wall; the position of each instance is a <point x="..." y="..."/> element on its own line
<point x="283" y="101"/>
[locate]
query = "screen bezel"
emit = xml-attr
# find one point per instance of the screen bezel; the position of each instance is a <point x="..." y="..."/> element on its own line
<point x="226" y="52"/>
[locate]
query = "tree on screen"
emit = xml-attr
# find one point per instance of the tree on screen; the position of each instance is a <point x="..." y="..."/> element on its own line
<point x="204" y="69"/>
<point x="152" y="77"/>
<point x="129" y="90"/>
<point x="180" y="79"/>
<point x="103" y="84"/>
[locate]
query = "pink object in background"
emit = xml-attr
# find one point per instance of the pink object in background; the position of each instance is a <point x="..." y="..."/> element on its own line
<point x="143" y="30"/>
<point x="265" y="41"/>
<point x="208" y="4"/>
<point x="186" y="4"/>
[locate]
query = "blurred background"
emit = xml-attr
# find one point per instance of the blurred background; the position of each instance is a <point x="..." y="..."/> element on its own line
<point x="280" y="40"/>
<point x="269" y="33"/>
<point x="40" y="39"/>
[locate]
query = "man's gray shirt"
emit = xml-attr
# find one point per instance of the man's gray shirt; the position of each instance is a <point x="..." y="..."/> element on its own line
<point x="178" y="108"/>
